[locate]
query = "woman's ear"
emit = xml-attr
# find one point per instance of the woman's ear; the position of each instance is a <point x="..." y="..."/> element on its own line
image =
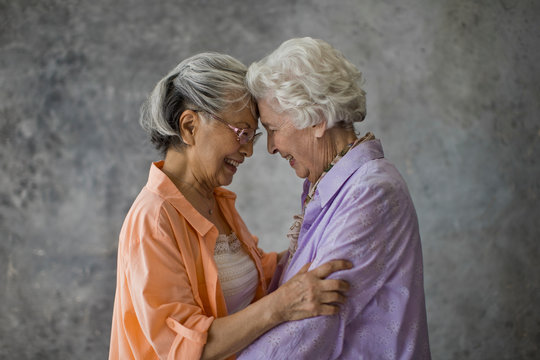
<point x="188" y="124"/>
<point x="320" y="129"/>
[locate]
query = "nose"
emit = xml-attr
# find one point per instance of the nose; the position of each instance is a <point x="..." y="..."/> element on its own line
<point x="247" y="149"/>
<point x="270" y="146"/>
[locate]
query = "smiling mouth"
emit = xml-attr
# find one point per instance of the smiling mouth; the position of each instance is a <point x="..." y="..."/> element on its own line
<point x="290" y="158"/>
<point x="232" y="162"/>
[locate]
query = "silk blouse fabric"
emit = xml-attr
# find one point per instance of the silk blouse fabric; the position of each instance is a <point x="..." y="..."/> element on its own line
<point x="167" y="291"/>
<point x="361" y="211"/>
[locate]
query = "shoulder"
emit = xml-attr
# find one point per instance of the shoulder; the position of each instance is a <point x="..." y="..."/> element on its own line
<point x="150" y="215"/>
<point x="375" y="190"/>
<point x="376" y="178"/>
<point x="151" y="205"/>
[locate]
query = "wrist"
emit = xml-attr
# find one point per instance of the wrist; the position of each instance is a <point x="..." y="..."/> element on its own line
<point x="273" y="309"/>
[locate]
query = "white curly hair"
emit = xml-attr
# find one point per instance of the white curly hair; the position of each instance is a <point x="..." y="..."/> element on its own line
<point x="310" y="81"/>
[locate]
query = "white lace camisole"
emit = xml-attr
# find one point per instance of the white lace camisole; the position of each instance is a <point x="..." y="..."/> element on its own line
<point x="237" y="273"/>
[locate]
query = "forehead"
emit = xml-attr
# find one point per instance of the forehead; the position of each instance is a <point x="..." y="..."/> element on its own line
<point x="240" y="115"/>
<point x="269" y="116"/>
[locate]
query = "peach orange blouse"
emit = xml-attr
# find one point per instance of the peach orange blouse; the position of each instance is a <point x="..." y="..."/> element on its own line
<point x="167" y="290"/>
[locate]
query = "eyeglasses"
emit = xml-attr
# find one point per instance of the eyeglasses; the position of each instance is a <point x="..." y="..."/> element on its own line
<point x="242" y="135"/>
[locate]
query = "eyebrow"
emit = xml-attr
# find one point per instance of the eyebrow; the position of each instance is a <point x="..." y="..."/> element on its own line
<point x="248" y="126"/>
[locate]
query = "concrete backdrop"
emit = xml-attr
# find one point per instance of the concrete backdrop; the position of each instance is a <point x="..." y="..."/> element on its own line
<point x="453" y="91"/>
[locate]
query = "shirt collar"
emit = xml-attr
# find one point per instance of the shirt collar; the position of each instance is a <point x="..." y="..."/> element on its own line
<point x="160" y="184"/>
<point x="345" y="167"/>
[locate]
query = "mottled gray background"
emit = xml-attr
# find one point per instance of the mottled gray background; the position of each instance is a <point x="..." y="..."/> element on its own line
<point x="453" y="92"/>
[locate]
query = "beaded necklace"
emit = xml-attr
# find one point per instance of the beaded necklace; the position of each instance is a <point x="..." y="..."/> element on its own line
<point x="313" y="187"/>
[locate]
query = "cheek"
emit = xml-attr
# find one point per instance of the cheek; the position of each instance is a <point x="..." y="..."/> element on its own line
<point x="225" y="148"/>
<point x="285" y="141"/>
<point x="299" y="144"/>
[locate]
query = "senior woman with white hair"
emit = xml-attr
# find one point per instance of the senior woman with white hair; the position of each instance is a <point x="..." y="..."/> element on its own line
<point x="355" y="206"/>
<point x="191" y="282"/>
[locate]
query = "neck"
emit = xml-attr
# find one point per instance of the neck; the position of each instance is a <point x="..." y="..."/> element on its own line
<point x="342" y="138"/>
<point x="331" y="144"/>
<point x="178" y="168"/>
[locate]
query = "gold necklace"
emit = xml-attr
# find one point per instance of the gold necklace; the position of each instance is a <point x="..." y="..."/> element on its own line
<point x="205" y="201"/>
<point x="211" y="209"/>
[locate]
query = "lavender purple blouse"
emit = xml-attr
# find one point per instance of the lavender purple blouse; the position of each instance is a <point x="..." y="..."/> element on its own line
<point x="361" y="211"/>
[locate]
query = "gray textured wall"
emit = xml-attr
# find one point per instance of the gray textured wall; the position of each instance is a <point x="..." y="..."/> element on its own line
<point x="453" y="92"/>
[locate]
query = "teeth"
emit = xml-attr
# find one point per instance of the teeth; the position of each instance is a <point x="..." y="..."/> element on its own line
<point x="289" y="157"/>
<point x="232" y="162"/>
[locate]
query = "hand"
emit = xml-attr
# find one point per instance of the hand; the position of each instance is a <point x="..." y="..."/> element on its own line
<point x="309" y="293"/>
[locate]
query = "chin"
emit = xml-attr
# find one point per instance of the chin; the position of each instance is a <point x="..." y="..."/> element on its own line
<point x="301" y="175"/>
<point x="226" y="182"/>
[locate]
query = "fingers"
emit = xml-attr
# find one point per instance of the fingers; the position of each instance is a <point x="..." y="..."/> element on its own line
<point x="328" y="309"/>
<point x="332" y="298"/>
<point x="331" y="267"/>
<point x="309" y="293"/>
<point x="335" y="285"/>
<point x="320" y="310"/>
<point x="329" y="303"/>
<point x="304" y="268"/>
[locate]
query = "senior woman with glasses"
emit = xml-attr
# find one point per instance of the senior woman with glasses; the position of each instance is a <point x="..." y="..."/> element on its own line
<point x="191" y="282"/>
<point x="355" y="206"/>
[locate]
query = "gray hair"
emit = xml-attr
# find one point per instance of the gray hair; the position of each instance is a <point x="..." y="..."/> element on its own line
<point x="207" y="82"/>
<point x="311" y="81"/>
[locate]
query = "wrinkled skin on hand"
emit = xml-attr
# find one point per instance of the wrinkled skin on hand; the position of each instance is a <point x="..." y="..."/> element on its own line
<point x="309" y="293"/>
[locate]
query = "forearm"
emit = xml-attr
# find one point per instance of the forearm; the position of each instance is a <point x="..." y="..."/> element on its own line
<point x="307" y="294"/>
<point x="230" y="334"/>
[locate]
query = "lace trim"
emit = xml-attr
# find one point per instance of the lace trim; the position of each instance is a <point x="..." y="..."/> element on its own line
<point x="227" y="244"/>
<point x="237" y="272"/>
